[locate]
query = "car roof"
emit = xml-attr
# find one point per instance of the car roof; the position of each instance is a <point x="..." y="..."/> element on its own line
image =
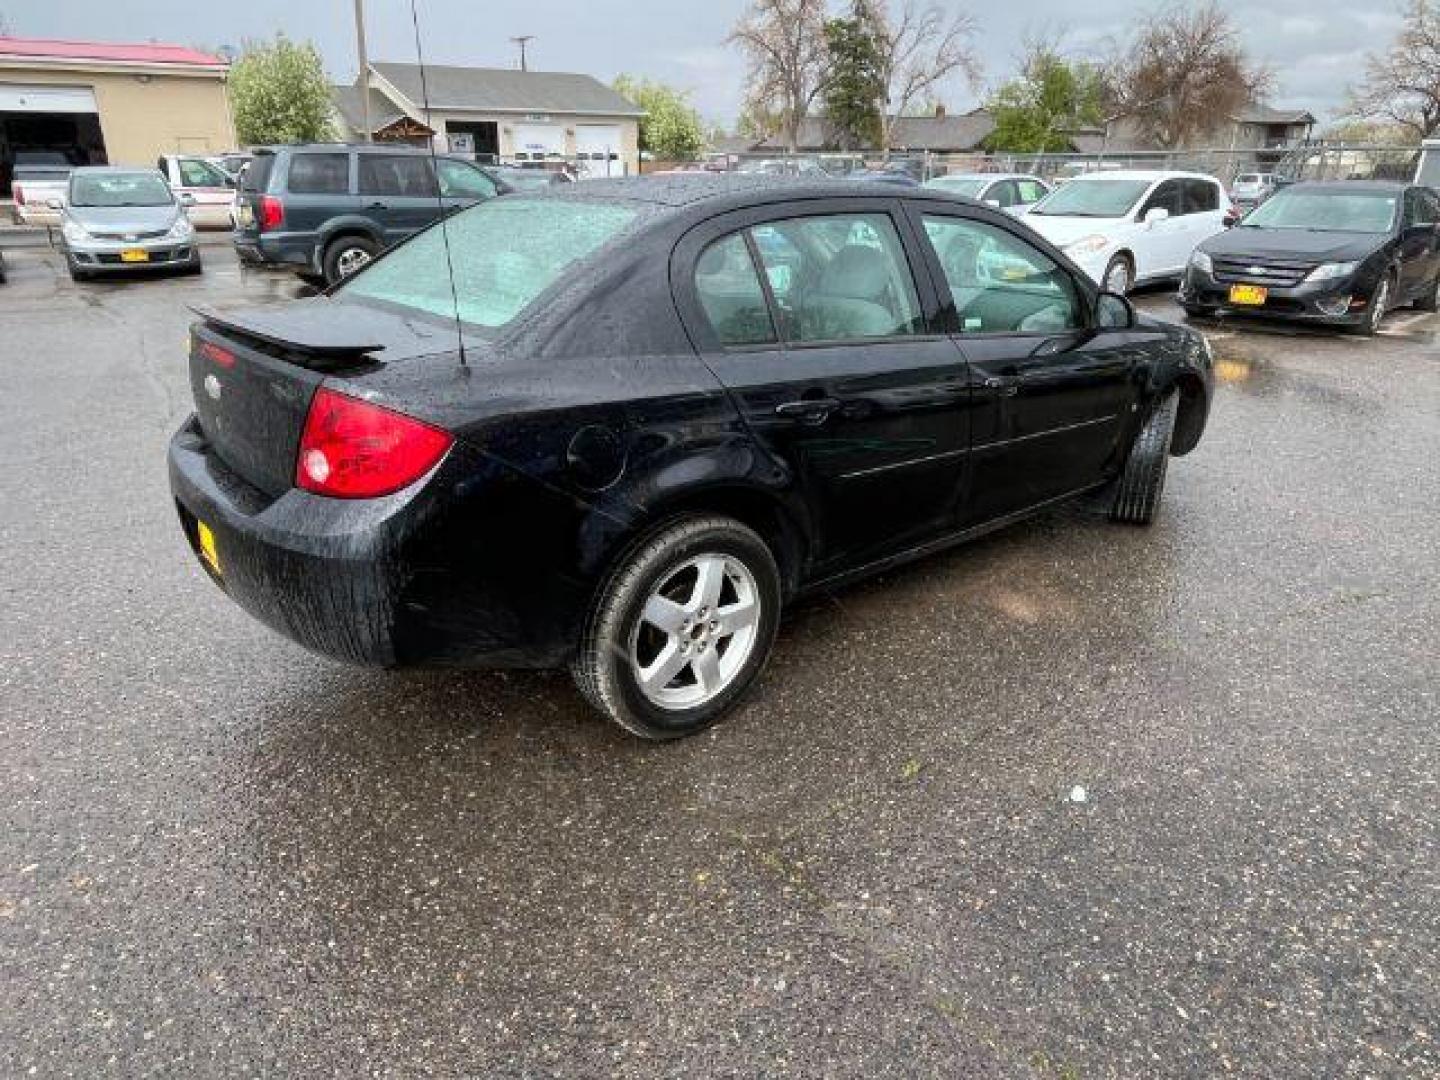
<point x="1149" y="175"/>
<point x="86" y="170"/>
<point x="1390" y="186"/>
<point x="986" y="176"/>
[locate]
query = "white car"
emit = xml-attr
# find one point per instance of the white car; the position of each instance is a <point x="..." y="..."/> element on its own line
<point x="1015" y="193"/>
<point x="1125" y="228"/>
<point x="210" y="189"/>
<point x="1251" y="189"/>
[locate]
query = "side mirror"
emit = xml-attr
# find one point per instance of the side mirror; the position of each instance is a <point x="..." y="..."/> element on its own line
<point x="993" y="202"/>
<point x="1156" y="214"/>
<point x="55" y="204"/>
<point x="1113" y="312"/>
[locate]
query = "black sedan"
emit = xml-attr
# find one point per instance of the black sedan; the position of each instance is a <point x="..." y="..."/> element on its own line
<point x="1342" y="253"/>
<point x="644" y="414"/>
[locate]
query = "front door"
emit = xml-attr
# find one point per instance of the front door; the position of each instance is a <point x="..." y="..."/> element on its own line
<point x="1053" y="397"/>
<point x="816" y="324"/>
<point x="1163" y="247"/>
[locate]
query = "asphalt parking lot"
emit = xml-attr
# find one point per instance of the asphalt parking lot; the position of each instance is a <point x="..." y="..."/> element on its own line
<point x="1077" y="800"/>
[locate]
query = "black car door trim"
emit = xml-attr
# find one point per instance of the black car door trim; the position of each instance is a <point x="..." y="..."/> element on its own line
<point x="1094" y="421"/>
<point x="891" y="466"/>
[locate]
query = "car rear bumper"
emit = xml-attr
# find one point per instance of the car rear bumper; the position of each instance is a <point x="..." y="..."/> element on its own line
<point x="1339" y="302"/>
<point x="409" y="579"/>
<point x="274" y="249"/>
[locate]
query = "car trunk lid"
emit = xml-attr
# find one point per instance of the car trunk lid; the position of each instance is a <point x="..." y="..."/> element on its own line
<point x="254" y="372"/>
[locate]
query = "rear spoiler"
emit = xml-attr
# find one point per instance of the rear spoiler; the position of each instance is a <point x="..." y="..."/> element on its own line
<point x="306" y="328"/>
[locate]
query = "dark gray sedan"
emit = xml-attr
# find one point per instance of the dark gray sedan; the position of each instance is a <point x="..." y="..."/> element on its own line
<point x="116" y="219"/>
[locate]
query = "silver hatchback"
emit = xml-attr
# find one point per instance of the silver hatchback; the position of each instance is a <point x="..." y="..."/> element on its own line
<point x="116" y="219"/>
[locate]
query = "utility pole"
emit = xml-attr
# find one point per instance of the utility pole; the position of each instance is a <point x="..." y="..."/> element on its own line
<point x="521" y="40"/>
<point x="364" y="61"/>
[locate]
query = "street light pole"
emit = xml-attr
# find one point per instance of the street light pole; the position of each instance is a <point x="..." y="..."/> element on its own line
<point x="364" y="62"/>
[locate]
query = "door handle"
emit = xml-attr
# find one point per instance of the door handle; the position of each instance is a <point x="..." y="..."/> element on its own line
<point x="808" y="410"/>
<point x="1003" y="385"/>
<point x="378" y="206"/>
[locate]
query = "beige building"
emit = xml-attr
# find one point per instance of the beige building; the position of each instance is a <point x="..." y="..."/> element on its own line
<point x="496" y="114"/>
<point x="99" y="103"/>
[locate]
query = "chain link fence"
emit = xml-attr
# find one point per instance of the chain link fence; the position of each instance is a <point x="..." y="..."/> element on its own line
<point x="1308" y="161"/>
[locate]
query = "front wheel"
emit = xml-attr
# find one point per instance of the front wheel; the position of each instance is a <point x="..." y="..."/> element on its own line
<point x="682" y="628"/>
<point x="1198" y="311"/>
<point x="1379" y="305"/>
<point x="1430" y="299"/>
<point x="1137" y="495"/>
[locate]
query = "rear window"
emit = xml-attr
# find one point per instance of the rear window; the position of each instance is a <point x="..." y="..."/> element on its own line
<point x="256" y="176"/>
<point x="320" y="174"/>
<point x="505" y="253"/>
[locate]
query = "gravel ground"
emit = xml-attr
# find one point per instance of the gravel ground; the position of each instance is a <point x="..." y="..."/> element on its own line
<point x="1076" y="800"/>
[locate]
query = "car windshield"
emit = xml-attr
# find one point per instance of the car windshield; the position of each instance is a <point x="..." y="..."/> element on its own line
<point x="968" y="186"/>
<point x="120" y="189"/>
<point x="1327" y="211"/>
<point x="505" y="253"/>
<point x="1092" y="197"/>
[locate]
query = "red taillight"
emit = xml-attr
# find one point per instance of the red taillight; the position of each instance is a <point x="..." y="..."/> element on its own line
<point x="352" y="449"/>
<point x="272" y="213"/>
<point x="18" y="194"/>
<point x="224" y="357"/>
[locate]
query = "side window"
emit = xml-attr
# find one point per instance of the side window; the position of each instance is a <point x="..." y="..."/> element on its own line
<point x="320" y="174"/>
<point x="1000" y="283"/>
<point x="1030" y="191"/>
<point x="1002" y="193"/>
<point x="1165" y="197"/>
<point x="839" y="278"/>
<point x="399" y="175"/>
<point x="1201" y="197"/>
<point x="461" y="181"/>
<point x="730" y="292"/>
<point x="200" y="174"/>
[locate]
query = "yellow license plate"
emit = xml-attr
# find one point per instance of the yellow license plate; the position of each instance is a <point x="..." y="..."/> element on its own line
<point x="208" y="551"/>
<point x="1249" y="295"/>
<point x="134" y="255"/>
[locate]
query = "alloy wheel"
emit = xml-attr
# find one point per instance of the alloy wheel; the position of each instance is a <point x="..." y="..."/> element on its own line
<point x="351" y="260"/>
<point x="1377" y="304"/>
<point x="695" y="632"/>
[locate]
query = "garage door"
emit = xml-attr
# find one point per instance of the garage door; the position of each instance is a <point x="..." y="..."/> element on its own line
<point x="536" y="142"/>
<point x="46" y="99"/>
<point x="597" y="148"/>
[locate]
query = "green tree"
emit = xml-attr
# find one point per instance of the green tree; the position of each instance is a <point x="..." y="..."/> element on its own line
<point x="1051" y="97"/>
<point x="670" y="129"/>
<point x="279" y="93"/>
<point x="855" y="86"/>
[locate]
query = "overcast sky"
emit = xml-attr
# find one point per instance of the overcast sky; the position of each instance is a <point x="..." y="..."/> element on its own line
<point x="1315" y="46"/>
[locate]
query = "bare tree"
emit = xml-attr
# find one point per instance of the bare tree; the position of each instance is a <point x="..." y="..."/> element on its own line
<point x="919" y="50"/>
<point x="1402" y="85"/>
<point x="1184" y="75"/>
<point x="784" y="41"/>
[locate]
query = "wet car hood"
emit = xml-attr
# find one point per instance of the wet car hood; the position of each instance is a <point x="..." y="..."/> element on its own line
<point x="1061" y="230"/>
<point x="1294" y="244"/>
<point x="125" y="219"/>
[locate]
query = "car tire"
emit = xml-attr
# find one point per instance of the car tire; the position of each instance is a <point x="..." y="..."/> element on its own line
<point x="76" y="274"/>
<point x="1379" y="305"/>
<point x="347" y="254"/>
<point x="1198" y="311"/>
<point x="1137" y="495"/>
<point x="1430" y="299"/>
<point x="1119" y="275"/>
<point x="664" y="609"/>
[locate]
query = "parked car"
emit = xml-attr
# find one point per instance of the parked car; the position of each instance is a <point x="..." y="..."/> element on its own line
<point x="898" y="177"/>
<point x="1014" y="192"/>
<point x="117" y="220"/>
<point x="1130" y="227"/>
<point x="327" y="209"/>
<point x="790" y="166"/>
<point x="209" y="187"/>
<point x="512" y="178"/>
<point x="36" y="180"/>
<point x="232" y="162"/>
<point x="1251" y="189"/>
<point x="1342" y="253"/>
<point x="665" y="437"/>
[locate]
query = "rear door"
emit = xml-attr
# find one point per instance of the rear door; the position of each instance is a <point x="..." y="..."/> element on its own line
<point x="398" y="192"/>
<point x="1052" y="397"/>
<point x="1205" y="206"/>
<point x="317" y="188"/>
<point x="813" y="317"/>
